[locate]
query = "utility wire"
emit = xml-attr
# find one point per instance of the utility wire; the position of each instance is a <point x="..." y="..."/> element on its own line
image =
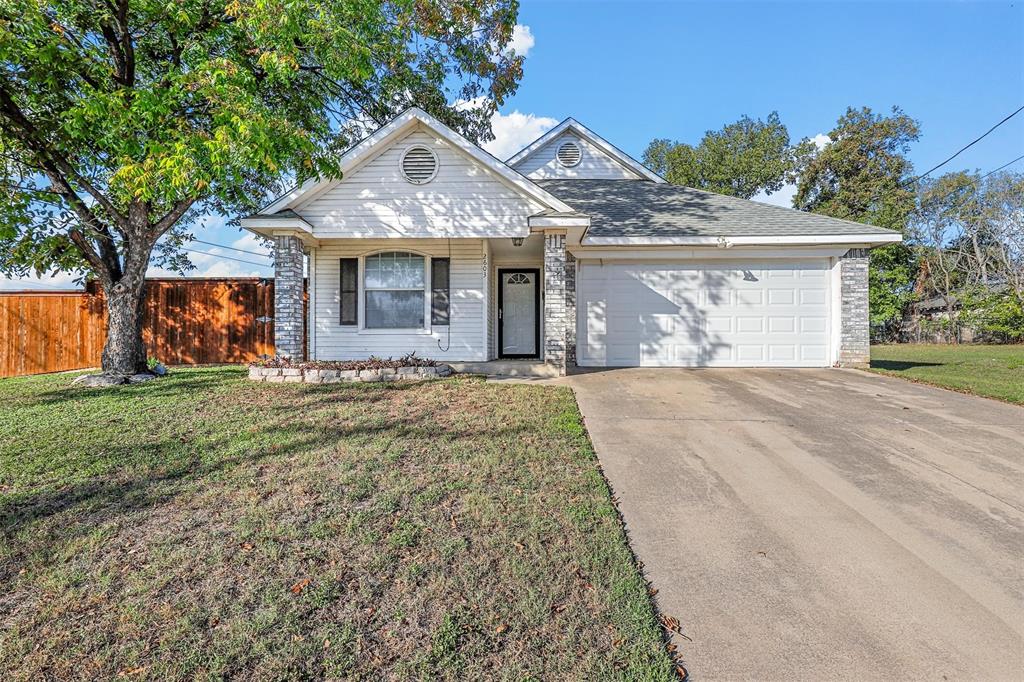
<point x="1002" y="167"/>
<point x="232" y="248"/>
<point x="967" y="146"/>
<point x="217" y="255"/>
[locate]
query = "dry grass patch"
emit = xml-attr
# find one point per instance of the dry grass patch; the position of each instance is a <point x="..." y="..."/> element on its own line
<point x="205" y="526"/>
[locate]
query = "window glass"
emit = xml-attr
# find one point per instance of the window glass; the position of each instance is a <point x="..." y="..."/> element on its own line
<point x="394" y="284"/>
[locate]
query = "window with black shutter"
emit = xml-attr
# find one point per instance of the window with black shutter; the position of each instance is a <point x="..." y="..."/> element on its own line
<point x="349" y="302"/>
<point x="439" y="276"/>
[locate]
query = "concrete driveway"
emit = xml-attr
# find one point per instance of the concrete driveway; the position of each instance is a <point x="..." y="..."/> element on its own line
<point x="820" y="524"/>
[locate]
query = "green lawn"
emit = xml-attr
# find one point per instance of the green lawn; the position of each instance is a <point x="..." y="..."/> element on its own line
<point x="206" y="526"/>
<point x="990" y="371"/>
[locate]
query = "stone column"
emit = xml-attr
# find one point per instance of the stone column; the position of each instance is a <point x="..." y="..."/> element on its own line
<point x="570" y="311"/>
<point x="854" y="332"/>
<point x="554" y="299"/>
<point x="288" y="332"/>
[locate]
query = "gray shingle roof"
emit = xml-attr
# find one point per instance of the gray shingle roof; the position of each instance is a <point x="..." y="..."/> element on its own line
<point x="633" y="208"/>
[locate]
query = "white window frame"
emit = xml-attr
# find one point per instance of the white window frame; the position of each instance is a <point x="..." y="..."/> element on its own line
<point x="426" y="328"/>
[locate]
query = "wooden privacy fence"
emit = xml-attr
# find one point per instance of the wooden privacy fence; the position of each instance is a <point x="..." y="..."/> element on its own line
<point x="187" y="321"/>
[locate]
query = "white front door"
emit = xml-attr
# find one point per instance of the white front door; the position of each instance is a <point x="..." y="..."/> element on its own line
<point x="518" y="310"/>
<point x="704" y="314"/>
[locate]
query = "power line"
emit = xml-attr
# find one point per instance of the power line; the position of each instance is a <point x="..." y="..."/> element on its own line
<point x="1002" y="167"/>
<point x="968" y="146"/>
<point x="232" y="248"/>
<point x="217" y="255"/>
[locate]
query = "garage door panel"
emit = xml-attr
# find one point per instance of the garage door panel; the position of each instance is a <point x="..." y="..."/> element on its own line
<point x="693" y="314"/>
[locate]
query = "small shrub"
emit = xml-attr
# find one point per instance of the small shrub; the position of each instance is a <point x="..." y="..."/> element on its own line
<point x="373" y="362"/>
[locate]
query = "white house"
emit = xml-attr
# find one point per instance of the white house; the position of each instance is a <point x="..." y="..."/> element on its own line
<point x="571" y="252"/>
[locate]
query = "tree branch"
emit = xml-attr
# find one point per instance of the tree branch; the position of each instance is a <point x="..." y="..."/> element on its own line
<point x="26" y="132"/>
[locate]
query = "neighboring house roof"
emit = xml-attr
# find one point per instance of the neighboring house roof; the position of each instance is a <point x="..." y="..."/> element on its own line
<point x="591" y="137"/>
<point x="629" y="211"/>
<point x="371" y="145"/>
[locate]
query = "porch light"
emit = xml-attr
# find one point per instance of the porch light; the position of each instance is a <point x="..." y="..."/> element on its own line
<point x="517" y="241"/>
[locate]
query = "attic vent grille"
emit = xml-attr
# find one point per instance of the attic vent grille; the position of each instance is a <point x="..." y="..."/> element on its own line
<point x="419" y="165"/>
<point x="568" y="154"/>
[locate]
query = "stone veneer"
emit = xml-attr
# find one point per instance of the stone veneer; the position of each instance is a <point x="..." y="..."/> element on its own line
<point x="334" y="376"/>
<point x="854" y="338"/>
<point x="570" y="310"/>
<point x="288" y="332"/>
<point x="555" y="300"/>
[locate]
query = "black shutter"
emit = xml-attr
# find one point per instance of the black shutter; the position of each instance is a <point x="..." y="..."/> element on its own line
<point x="439" y="275"/>
<point x="349" y="291"/>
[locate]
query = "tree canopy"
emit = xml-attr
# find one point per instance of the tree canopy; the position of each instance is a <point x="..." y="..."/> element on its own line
<point x="119" y="118"/>
<point x="864" y="175"/>
<point x="741" y="159"/>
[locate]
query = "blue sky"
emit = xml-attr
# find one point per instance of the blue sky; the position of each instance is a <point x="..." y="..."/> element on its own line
<point x="634" y="71"/>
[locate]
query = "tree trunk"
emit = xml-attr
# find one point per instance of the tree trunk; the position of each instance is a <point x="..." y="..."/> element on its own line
<point x="125" y="353"/>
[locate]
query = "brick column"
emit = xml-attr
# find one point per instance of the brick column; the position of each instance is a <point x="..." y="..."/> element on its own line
<point x="854" y="332"/>
<point x="554" y="299"/>
<point x="570" y="311"/>
<point x="288" y="334"/>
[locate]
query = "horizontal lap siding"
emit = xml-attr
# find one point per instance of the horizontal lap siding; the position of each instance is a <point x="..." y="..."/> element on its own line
<point x="467" y="340"/>
<point x="463" y="200"/>
<point x="594" y="163"/>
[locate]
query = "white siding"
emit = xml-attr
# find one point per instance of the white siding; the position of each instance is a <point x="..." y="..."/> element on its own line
<point x="465" y="338"/>
<point x="376" y="201"/>
<point x="594" y="163"/>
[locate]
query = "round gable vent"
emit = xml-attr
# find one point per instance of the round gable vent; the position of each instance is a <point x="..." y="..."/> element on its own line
<point x="419" y="164"/>
<point x="568" y="154"/>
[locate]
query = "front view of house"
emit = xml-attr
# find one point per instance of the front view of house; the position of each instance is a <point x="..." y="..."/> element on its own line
<point x="571" y="252"/>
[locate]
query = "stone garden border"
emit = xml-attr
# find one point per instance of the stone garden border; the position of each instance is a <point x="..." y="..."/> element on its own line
<point x="294" y="375"/>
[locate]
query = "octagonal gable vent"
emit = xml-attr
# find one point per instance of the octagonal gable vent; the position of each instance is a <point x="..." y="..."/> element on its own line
<point x="568" y="154"/>
<point x="419" y="164"/>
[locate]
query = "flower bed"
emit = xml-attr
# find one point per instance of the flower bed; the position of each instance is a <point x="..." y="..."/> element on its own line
<point x="407" y="368"/>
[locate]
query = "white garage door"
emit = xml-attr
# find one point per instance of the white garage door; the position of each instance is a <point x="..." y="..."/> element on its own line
<point x="686" y="314"/>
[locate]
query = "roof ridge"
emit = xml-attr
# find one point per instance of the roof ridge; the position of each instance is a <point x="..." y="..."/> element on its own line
<point x="727" y="197"/>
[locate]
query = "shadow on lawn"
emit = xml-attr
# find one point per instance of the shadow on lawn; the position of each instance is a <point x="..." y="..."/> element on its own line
<point x="900" y="365"/>
<point x="276" y="432"/>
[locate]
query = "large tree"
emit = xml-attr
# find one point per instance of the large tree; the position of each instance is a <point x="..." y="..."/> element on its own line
<point x="864" y="175"/>
<point x="969" y="232"/>
<point x="121" y="119"/>
<point x="740" y="160"/>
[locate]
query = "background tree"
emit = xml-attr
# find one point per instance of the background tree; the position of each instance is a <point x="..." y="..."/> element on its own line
<point x="740" y="160"/>
<point x="119" y="119"/>
<point x="968" y="233"/>
<point x="864" y="175"/>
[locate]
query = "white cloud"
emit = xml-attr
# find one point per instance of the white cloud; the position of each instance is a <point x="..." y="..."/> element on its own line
<point x="48" y="282"/>
<point x="522" y="40"/>
<point x="784" y="197"/>
<point x="514" y="131"/>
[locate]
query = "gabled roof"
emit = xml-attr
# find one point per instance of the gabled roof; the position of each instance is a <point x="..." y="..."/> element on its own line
<point x="369" y="146"/>
<point x="631" y="212"/>
<point x="591" y="137"/>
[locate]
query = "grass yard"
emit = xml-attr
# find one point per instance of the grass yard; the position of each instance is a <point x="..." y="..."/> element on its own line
<point x="990" y="371"/>
<point x="207" y="526"/>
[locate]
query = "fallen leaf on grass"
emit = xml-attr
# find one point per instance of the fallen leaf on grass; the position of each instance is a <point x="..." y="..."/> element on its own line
<point x="670" y="623"/>
<point x="246" y="546"/>
<point x="299" y="586"/>
<point x="131" y="671"/>
<point x="558" y="608"/>
<point x="500" y="629"/>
